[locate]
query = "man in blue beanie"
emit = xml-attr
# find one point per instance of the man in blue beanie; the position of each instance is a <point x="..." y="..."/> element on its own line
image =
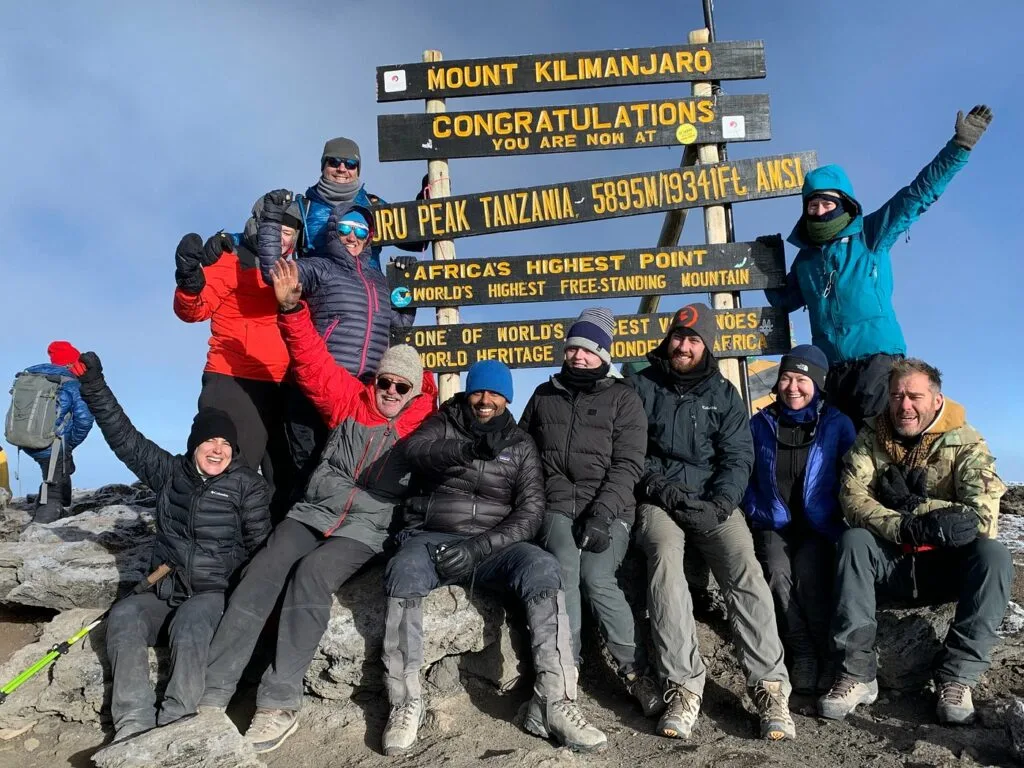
<point x="478" y="504"/>
<point x="843" y="274"/>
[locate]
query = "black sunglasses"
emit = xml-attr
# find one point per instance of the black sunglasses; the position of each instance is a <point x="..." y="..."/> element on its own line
<point x="384" y="384"/>
<point x="337" y="162"/>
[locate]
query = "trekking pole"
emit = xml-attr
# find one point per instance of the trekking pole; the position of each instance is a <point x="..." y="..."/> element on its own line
<point x="59" y="649"/>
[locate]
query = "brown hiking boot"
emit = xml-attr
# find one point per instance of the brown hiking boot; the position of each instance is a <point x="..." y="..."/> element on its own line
<point x="646" y="692"/>
<point x="956" y="706"/>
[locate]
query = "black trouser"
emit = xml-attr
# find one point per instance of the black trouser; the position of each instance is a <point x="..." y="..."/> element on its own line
<point x="799" y="566"/>
<point x="860" y="388"/>
<point x="306" y="434"/>
<point x="58" y="489"/>
<point x="144" y="620"/>
<point x="256" y="409"/>
<point x="977" y="576"/>
<point x="323" y="565"/>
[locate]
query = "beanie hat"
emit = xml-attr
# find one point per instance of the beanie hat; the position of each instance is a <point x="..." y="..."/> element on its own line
<point x="355" y="216"/>
<point x="808" y="360"/>
<point x="210" y="423"/>
<point x="490" y="375"/>
<point x="698" y="319"/>
<point x="403" y="360"/>
<point x="62" y="353"/>
<point x="593" y="330"/>
<point x="340" y="147"/>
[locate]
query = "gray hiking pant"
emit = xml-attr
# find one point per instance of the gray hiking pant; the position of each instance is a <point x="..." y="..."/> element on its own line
<point x="144" y="620"/>
<point x="729" y="552"/>
<point x="977" y="576"/>
<point x="594" y="575"/>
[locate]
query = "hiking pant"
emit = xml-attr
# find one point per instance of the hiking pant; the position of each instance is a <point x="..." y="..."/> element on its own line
<point x="594" y="574"/>
<point x="860" y="388"/>
<point x="729" y="552"/>
<point x="256" y="409"/>
<point x="318" y="568"/>
<point x="799" y="567"/>
<point x="55" y="494"/>
<point x="977" y="576"/>
<point x="523" y="569"/>
<point x="144" y="620"/>
<point x="306" y="435"/>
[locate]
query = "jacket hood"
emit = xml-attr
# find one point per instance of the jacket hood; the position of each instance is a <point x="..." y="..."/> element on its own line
<point x="818" y="180"/>
<point x="951" y="416"/>
<point x="335" y="250"/>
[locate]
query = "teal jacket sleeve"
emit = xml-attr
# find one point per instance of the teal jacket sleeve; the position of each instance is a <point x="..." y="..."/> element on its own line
<point x="789" y="298"/>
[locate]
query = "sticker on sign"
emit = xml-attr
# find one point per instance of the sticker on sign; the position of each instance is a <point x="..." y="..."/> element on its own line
<point x="394" y="81"/>
<point x="734" y="127"/>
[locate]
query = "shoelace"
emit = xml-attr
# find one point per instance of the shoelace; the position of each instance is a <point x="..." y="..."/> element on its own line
<point x="770" y="702"/>
<point x="952" y="694"/>
<point x="680" y="699"/>
<point x="842" y="686"/>
<point x="264" y="721"/>
<point x="573" y="713"/>
<point x="405" y="712"/>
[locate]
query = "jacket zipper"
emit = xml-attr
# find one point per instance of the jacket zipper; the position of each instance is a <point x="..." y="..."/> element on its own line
<point x="568" y="443"/>
<point x="187" y="580"/>
<point x="355" y="479"/>
<point x="369" y="317"/>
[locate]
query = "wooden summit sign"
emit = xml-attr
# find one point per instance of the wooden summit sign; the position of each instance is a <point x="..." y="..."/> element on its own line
<point x="538" y="343"/>
<point x="591" y="274"/>
<point x="482" y="213"/>
<point x="573" y="128"/>
<point x="563" y="71"/>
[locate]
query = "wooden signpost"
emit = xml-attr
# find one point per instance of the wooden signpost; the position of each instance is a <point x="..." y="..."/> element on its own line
<point x="483" y="213"/>
<point x="574" y="128"/>
<point x="564" y="71"/>
<point x="538" y="343"/>
<point x="591" y="275"/>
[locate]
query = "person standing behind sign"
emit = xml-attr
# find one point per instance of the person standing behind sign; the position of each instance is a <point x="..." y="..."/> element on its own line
<point x="591" y="432"/>
<point x="843" y="273"/>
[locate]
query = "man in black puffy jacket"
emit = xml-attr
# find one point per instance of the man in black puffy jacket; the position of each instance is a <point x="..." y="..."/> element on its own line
<point x="480" y="502"/>
<point x="212" y="512"/>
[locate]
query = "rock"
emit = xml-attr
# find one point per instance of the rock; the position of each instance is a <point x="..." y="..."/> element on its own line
<point x="907" y="641"/>
<point x="1012" y="502"/>
<point x="204" y="741"/>
<point x="31" y="745"/>
<point x="1014" y="719"/>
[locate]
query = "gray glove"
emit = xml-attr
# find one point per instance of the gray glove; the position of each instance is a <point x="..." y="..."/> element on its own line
<point x="969" y="129"/>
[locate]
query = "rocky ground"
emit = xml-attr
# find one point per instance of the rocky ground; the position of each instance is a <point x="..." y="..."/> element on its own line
<point x="474" y="688"/>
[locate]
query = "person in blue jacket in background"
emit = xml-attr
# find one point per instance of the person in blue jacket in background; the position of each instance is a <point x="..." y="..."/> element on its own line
<point x="73" y="424"/>
<point x="843" y="273"/>
<point x="792" y="505"/>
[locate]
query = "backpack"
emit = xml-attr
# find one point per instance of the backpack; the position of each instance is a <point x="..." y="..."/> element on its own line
<point x="31" y="421"/>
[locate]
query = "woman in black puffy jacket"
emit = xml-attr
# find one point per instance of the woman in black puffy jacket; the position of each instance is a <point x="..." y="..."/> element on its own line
<point x="212" y="512"/>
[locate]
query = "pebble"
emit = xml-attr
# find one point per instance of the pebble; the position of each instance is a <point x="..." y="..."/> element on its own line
<point x="31" y="745"/>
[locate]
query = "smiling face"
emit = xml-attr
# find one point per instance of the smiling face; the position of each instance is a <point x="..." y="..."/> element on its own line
<point x="213" y="456"/>
<point x="288" y="238"/>
<point x="913" y="404"/>
<point x="578" y="357"/>
<point x="389" y="400"/>
<point x="795" y="390"/>
<point x="338" y="173"/>
<point x="485" y="405"/>
<point x="685" y="351"/>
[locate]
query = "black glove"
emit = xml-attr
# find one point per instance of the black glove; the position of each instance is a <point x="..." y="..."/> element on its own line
<point x="404" y="263"/>
<point x="894" y="492"/>
<point x="457" y="561"/>
<point x="952" y="526"/>
<point x="593" y="532"/>
<point x="969" y="129"/>
<point x="216" y="246"/>
<point x="188" y="263"/>
<point x="93" y="367"/>
<point x="701" y="516"/>
<point x="275" y="204"/>
<point x="666" y="494"/>
<point x="424" y="193"/>
<point x="490" y="444"/>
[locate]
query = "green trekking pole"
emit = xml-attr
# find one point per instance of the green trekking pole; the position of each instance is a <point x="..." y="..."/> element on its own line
<point x="60" y="649"/>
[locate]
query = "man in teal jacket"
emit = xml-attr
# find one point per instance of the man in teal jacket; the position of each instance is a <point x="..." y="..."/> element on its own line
<point x="843" y="274"/>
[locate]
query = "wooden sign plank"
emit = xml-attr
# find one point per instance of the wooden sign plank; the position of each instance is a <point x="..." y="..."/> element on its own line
<point x="564" y="71"/>
<point x="538" y="343"/>
<point x="573" y="128"/>
<point x="591" y="275"/>
<point x="482" y="213"/>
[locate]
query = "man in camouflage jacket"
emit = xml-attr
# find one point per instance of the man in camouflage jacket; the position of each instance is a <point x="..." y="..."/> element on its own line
<point x="920" y="491"/>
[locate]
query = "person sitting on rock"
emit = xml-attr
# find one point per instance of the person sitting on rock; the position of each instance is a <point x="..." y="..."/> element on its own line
<point x="920" y="491"/>
<point x="792" y="505"/>
<point x="340" y="524"/>
<point x="699" y="457"/>
<point x="591" y="432"/>
<point x="211" y="514"/>
<point x="480" y="503"/>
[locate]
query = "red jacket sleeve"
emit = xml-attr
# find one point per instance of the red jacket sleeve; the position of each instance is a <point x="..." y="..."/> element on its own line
<point x="194" y="308"/>
<point x="331" y="388"/>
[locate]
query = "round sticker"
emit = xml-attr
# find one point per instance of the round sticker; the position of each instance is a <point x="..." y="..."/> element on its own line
<point x="401" y="296"/>
<point x="686" y="134"/>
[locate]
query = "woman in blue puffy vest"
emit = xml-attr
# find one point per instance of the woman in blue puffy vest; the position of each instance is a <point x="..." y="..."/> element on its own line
<point x="792" y="505"/>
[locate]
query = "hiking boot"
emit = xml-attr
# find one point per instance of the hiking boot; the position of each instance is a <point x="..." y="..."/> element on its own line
<point x="844" y="695"/>
<point x="564" y="722"/>
<point x="772" y="705"/>
<point x="680" y="715"/>
<point x="131" y="729"/>
<point x="646" y="692"/>
<point x="403" y="725"/>
<point x="955" y="706"/>
<point x="270" y="727"/>
<point x="803" y="674"/>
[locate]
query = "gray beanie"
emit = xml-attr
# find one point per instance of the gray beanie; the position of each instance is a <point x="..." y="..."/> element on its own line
<point x="593" y="330"/>
<point x="340" y="147"/>
<point x="403" y="360"/>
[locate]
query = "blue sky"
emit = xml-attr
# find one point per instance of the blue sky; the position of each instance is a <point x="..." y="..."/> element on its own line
<point x="126" y="125"/>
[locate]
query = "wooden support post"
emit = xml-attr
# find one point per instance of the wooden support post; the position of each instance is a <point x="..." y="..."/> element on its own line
<point x="439" y="185"/>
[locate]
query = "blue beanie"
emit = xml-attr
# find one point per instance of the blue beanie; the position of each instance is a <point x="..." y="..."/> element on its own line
<point x="808" y="360"/>
<point x="354" y="217"/>
<point x="593" y="330"/>
<point x="492" y="376"/>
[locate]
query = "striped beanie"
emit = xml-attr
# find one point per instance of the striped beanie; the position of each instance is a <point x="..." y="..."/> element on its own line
<point x="593" y="330"/>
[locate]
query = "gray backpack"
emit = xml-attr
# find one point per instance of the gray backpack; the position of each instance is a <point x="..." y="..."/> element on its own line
<point x="32" y="418"/>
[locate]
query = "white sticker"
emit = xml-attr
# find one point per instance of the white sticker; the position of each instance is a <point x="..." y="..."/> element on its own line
<point x="733" y="127"/>
<point x="394" y="80"/>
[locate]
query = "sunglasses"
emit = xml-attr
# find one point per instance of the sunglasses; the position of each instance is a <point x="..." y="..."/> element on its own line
<point x="337" y="162"/>
<point x="347" y="229"/>
<point x="384" y="384"/>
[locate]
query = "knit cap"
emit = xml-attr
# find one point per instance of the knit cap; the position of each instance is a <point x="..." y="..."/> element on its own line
<point x="340" y="147"/>
<point x="699" y="319"/>
<point x="403" y="360"/>
<point x="355" y="217"/>
<point x="593" y="330"/>
<point x="210" y="423"/>
<point x="808" y="360"/>
<point x="490" y="375"/>
<point x="62" y="353"/>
